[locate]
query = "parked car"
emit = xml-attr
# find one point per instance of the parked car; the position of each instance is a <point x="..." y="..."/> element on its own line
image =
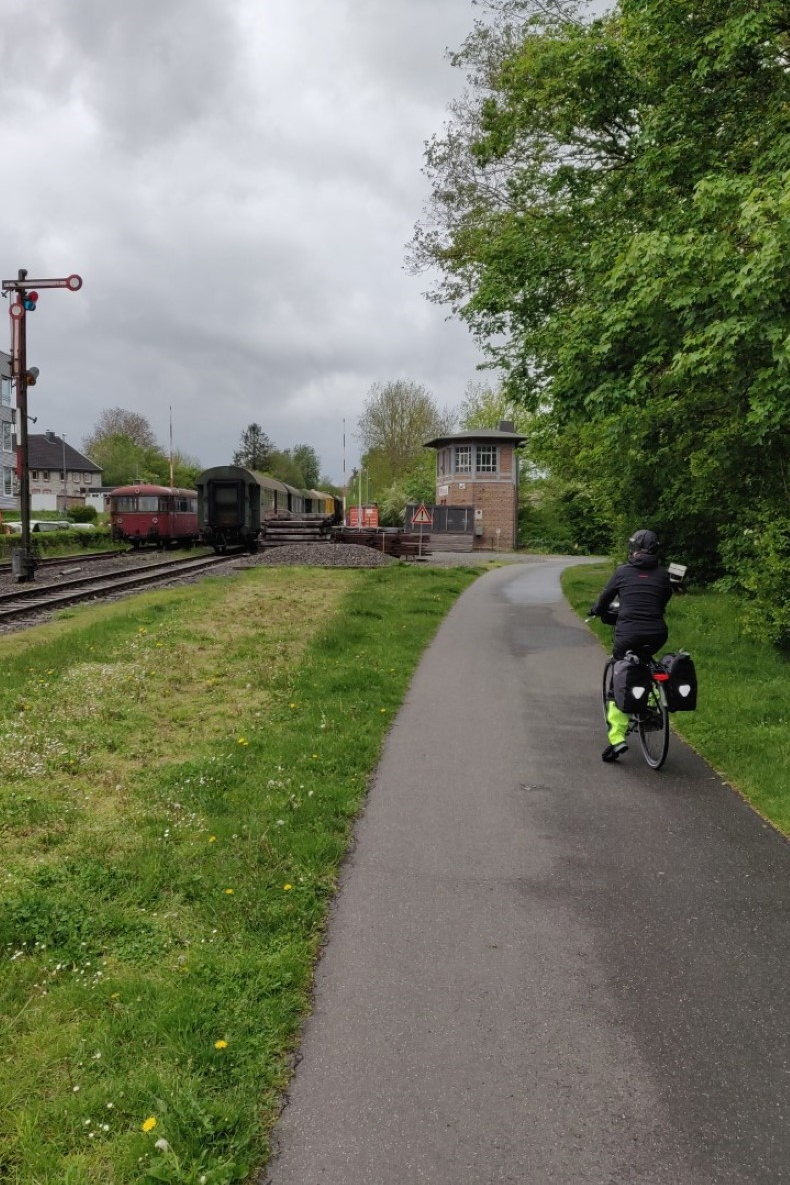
<point x="51" y="524"/>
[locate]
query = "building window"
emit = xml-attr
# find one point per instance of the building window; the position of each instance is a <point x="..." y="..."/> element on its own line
<point x="5" y="392"/>
<point x="463" y="458"/>
<point x="486" y="458"/>
<point x="8" y="480"/>
<point x="34" y="474"/>
<point x="8" y="431"/>
<point x="87" y="478"/>
<point x="45" y="475"/>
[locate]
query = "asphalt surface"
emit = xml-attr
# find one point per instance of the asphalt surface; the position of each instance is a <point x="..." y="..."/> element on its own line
<point x="542" y="969"/>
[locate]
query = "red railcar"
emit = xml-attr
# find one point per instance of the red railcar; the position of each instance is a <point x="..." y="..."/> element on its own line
<point x="157" y="516"/>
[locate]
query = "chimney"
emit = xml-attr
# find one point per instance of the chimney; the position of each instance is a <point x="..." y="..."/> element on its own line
<point x="506" y="426"/>
<point x="50" y="435"/>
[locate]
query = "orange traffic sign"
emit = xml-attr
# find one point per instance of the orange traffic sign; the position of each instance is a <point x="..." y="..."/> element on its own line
<point x="422" y="517"/>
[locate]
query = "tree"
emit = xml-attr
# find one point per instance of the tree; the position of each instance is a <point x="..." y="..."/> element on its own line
<point x="255" y="449"/>
<point x="307" y="459"/>
<point x="398" y="418"/>
<point x="484" y="406"/>
<point x="283" y="467"/>
<point x="117" y="422"/>
<point x="123" y="444"/>
<point x="609" y="215"/>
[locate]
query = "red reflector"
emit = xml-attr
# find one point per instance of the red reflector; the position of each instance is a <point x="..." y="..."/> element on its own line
<point x="661" y="678"/>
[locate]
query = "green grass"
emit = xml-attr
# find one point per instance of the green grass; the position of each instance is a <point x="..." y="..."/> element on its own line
<point x="179" y="777"/>
<point x="742" y="723"/>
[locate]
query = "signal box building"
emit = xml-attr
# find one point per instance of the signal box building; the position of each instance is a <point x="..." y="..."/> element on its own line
<point x="479" y="470"/>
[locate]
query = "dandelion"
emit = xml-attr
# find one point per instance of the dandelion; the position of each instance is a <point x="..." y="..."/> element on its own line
<point x="230" y="891"/>
<point x="382" y="710"/>
<point x="142" y="630"/>
<point x="212" y="839"/>
<point x="220" y="1044"/>
<point x="162" y="1144"/>
<point x="287" y="888"/>
<point x="149" y="1124"/>
<point x="292" y="705"/>
<point x="242" y="741"/>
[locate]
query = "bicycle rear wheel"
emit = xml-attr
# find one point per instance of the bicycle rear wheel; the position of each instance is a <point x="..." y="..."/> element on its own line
<point x="607" y="687"/>
<point x="652" y="726"/>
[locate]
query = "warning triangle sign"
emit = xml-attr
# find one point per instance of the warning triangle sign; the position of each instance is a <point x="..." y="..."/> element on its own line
<point x="422" y="517"/>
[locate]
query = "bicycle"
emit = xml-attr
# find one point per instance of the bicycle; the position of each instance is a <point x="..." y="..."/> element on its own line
<point x="651" y="724"/>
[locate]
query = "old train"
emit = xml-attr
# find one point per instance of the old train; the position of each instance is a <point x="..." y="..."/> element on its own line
<point x="234" y="503"/>
<point x="151" y="515"/>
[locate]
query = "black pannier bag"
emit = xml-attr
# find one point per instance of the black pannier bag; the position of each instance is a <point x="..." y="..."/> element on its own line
<point x="680" y="687"/>
<point x="631" y="684"/>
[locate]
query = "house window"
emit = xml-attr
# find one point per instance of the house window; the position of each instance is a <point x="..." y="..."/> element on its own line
<point x="45" y="475"/>
<point x="87" y="478"/>
<point x="8" y="480"/>
<point x="5" y="392"/>
<point x="34" y="474"/>
<point x="486" y="458"/>
<point x="442" y="459"/>
<point x="8" y="444"/>
<point x="463" y="458"/>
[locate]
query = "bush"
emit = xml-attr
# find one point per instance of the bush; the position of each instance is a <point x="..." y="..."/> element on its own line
<point x="562" y="518"/>
<point x="83" y="514"/>
<point x="757" y="558"/>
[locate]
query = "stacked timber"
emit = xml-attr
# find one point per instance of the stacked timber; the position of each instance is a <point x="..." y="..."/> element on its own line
<point x="390" y="541"/>
<point x="278" y="532"/>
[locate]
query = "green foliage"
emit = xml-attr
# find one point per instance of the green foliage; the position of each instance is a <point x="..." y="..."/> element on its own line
<point x="610" y="216"/>
<point x="83" y="514"/>
<point x="561" y="517"/>
<point x="255" y="449"/>
<point x="284" y="468"/>
<point x="757" y="559"/>
<point x="308" y="461"/>
<point x="397" y="420"/>
<point x="123" y="444"/>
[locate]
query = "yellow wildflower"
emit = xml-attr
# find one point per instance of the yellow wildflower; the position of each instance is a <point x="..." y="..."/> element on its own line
<point x="220" y="1045"/>
<point x="230" y="890"/>
<point x="287" y="888"/>
<point x="212" y="839"/>
<point x="149" y="1124"/>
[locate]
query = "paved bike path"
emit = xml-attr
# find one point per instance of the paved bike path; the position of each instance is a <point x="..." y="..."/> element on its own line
<point x="542" y="969"/>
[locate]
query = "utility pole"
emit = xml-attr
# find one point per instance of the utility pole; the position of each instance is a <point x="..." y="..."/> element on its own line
<point x="65" y="491"/>
<point x="23" y="562"/>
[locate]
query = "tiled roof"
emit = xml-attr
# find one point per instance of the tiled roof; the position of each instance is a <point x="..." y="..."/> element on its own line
<point x="44" y="453"/>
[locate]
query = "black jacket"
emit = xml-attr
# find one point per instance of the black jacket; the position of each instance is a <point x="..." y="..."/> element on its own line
<point x="643" y="588"/>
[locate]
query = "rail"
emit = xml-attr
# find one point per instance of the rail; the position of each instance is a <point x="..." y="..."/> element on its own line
<point x="27" y="601"/>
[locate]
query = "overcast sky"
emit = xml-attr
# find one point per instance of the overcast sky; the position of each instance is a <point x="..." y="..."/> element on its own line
<point x="236" y="182"/>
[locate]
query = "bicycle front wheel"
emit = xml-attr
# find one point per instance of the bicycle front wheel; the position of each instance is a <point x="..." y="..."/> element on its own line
<point x="653" y="729"/>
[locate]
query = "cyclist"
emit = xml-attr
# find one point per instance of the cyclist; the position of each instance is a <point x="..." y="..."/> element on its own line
<point x="643" y="589"/>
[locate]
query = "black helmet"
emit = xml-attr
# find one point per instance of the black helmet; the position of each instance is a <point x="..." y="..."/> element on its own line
<point x="646" y="541"/>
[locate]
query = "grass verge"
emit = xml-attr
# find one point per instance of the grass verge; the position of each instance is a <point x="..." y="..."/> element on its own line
<point x="742" y="723"/>
<point x="180" y="774"/>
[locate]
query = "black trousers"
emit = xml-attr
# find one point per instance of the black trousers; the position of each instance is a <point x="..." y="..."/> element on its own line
<point x="644" y="642"/>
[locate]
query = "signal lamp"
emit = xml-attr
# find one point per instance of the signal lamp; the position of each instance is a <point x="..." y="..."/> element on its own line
<point x="30" y="301"/>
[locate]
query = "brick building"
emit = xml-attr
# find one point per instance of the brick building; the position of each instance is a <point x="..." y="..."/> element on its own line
<point x="479" y="469"/>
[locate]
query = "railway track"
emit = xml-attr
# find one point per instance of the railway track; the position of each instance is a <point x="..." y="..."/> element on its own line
<point x="79" y="556"/>
<point x="30" y="600"/>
